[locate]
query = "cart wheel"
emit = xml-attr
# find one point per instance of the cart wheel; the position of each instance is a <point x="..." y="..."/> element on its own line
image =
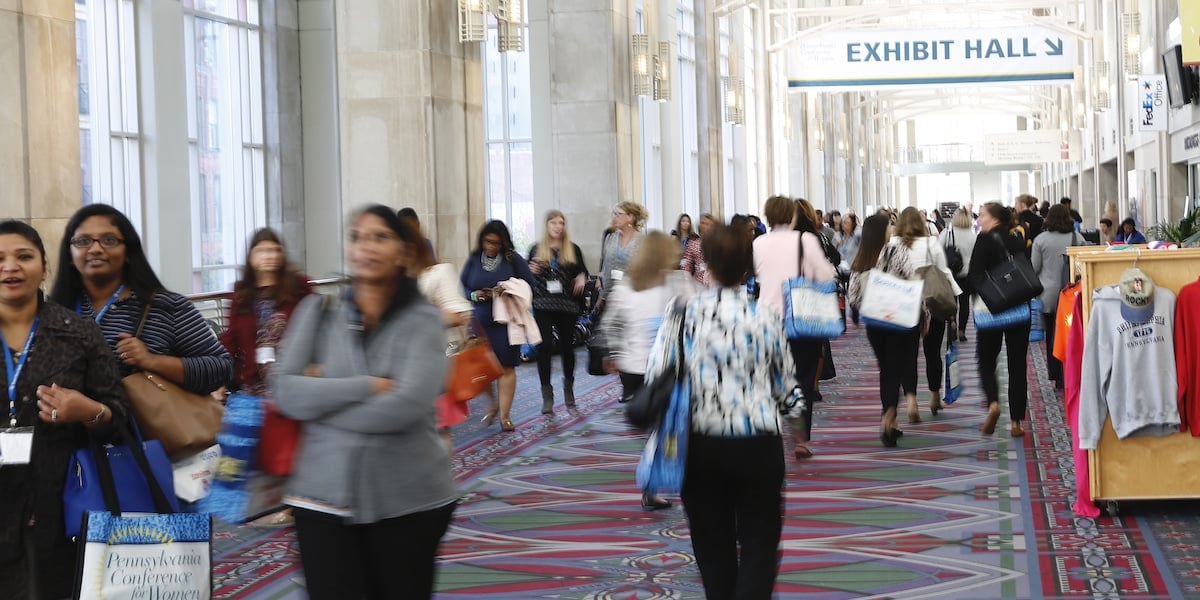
<point x="1113" y="508"/>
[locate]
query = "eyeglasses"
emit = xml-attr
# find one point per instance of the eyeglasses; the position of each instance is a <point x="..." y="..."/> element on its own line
<point x="109" y="241"/>
<point x="617" y="213"/>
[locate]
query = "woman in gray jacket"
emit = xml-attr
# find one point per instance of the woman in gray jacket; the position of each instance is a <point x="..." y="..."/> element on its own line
<point x="372" y="490"/>
<point x="1058" y="233"/>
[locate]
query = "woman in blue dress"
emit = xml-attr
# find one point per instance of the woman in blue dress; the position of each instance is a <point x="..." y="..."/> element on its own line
<point x="495" y="260"/>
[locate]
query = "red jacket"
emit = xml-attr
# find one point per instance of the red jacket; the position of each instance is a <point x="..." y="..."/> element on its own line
<point x="240" y="337"/>
<point x="1187" y="356"/>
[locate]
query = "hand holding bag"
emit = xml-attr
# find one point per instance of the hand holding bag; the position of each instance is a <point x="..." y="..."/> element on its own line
<point x="184" y="421"/>
<point x="810" y="309"/>
<point x="473" y="368"/>
<point x="649" y="403"/>
<point x="170" y="554"/>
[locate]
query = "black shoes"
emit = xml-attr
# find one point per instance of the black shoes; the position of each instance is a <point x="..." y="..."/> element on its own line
<point x="654" y="502"/>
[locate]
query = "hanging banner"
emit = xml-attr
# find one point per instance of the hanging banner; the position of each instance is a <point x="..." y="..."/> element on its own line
<point x="890" y="59"/>
<point x="1151" y="106"/>
<point x="1025" y="147"/>
<point x="1189" y="21"/>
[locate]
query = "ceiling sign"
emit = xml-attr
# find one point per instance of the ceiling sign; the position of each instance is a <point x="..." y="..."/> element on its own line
<point x="891" y="59"/>
<point x="1024" y="147"/>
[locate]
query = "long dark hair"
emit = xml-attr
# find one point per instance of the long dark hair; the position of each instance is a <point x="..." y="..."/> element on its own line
<point x="874" y="238"/>
<point x="499" y="228"/>
<point x="136" y="273"/>
<point x="691" y="227"/>
<point x="806" y="217"/>
<point x="287" y="284"/>
<point x="406" y="285"/>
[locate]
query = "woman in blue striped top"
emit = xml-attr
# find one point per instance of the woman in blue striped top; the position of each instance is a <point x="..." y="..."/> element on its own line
<point x="742" y="379"/>
<point x="103" y="274"/>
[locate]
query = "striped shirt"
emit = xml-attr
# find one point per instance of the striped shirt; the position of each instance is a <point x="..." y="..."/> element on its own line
<point x="738" y="364"/>
<point x="173" y="328"/>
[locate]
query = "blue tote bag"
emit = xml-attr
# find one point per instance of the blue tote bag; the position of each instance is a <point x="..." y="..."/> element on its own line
<point x="810" y="308"/>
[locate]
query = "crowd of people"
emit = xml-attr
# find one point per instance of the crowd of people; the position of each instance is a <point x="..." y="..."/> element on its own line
<point x="361" y="371"/>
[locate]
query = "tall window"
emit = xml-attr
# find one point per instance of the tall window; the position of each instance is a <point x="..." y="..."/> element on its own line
<point x="685" y="83"/>
<point x="223" y="47"/>
<point x="509" y="141"/>
<point x="109" y="138"/>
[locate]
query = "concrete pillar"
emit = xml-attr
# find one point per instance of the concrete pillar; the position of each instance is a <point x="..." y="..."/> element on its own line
<point x="410" y="105"/>
<point x="40" y="180"/>
<point x="283" y="123"/>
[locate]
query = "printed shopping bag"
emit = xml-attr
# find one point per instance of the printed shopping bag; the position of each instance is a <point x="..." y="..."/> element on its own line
<point x="986" y="320"/>
<point x="892" y="302"/>
<point x="240" y="429"/>
<point x="664" y="459"/>
<point x="811" y="309"/>
<point x="954" y="383"/>
<point x="1037" y="329"/>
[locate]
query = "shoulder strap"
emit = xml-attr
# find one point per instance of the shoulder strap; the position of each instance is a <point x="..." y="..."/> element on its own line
<point x="679" y="371"/>
<point x="145" y="313"/>
<point x="800" y="254"/>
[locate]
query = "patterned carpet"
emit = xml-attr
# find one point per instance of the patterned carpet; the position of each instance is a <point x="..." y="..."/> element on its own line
<point x="551" y="511"/>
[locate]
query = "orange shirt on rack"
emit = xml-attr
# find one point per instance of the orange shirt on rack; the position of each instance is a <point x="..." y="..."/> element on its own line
<point x="1062" y="320"/>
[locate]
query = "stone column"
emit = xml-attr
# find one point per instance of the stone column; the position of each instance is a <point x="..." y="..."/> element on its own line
<point x="583" y="142"/>
<point x="283" y="123"/>
<point x="410" y="107"/>
<point x="40" y="180"/>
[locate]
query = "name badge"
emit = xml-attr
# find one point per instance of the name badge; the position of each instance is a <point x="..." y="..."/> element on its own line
<point x="554" y="287"/>
<point x="264" y="355"/>
<point x="618" y="275"/>
<point x="16" y="445"/>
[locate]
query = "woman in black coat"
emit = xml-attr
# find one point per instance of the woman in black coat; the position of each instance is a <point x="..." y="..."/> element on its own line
<point x="993" y="246"/>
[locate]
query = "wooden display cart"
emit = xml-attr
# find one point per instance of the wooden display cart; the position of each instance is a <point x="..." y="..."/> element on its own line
<point x="1140" y="468"/>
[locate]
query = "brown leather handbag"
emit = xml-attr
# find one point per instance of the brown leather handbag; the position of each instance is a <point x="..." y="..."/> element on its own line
<point x="472" y="369"/>
<point x="183" y="421"/>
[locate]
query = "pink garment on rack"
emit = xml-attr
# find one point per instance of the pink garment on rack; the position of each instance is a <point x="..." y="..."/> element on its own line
<point x="1072" y="373"/>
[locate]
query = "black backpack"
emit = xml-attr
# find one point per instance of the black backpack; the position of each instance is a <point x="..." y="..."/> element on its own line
<point x="954" y="259"/>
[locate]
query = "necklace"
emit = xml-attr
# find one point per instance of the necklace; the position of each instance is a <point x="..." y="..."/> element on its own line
<point x="489" y="264"/>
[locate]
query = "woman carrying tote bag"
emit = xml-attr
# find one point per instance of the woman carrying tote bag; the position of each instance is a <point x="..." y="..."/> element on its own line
<point x="996" y="245"/>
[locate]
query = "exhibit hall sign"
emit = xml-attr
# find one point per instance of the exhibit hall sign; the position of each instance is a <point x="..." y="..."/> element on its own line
<point x="890" y="59"/>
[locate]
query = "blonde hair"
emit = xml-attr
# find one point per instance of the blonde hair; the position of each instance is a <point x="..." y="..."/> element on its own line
<point x="962" y="218"/>
<point x="635" y="210"/>
<point x="656" y="254"/>
<point x="545" y="254"/>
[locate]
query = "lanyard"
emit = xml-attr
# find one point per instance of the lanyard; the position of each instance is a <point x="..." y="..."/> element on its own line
<point x="14" y="373"/>
<point x="107" y="305"/>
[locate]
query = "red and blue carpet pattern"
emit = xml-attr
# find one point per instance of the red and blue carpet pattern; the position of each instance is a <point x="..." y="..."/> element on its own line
<point x="552" y="511"/>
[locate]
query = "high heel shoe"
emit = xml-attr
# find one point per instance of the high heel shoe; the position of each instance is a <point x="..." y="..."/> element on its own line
<point x="507" y="425"/>
<point x="654" y="502"/>
<point x="1016" y="430"/>
<point x="489" y="417"/>
<point x="888" y="437"/>
<point x="989" y="424"/>
<point x="935" y="403"/>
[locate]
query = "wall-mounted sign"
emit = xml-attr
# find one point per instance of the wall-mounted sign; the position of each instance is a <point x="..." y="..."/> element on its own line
<point x="1151" y="107"/>
<point x="1026" y="147"/>
<point x="879" y="58"/>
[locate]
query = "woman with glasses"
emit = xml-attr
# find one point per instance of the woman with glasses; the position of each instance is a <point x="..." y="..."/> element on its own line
<point x="620" y="245"/>
<point x="494" y="261"/>
<point x="103" y="274"/>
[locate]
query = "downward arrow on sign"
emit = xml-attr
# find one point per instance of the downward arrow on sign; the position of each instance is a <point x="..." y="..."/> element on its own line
<point x="1054" y="49"/>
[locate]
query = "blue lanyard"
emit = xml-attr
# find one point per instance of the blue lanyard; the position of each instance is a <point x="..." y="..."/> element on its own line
<point x="107" y="305"/>
<point x="14" y="373"/>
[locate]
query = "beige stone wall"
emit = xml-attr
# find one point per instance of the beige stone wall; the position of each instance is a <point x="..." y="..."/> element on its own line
<point x="410" y="105"/>
<point x="39" y="115"/>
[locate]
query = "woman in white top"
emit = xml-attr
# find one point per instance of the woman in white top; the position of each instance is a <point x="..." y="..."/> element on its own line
<point x="777" y="259"/>
<point x="961" y="234"/>
<point x="439" y="283"/>
<point x="635" y="312"/>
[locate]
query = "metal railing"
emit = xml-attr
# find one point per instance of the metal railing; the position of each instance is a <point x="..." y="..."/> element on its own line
<point x="214" y="306"/>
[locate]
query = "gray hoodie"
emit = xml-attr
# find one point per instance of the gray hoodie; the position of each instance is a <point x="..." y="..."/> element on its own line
<point x="364" y="456"/>
<point x="1128" y="370"/>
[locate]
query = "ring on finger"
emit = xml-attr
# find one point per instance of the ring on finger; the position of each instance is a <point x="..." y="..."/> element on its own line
<point x="54" y="414"/>
<point x="124" y="355"/>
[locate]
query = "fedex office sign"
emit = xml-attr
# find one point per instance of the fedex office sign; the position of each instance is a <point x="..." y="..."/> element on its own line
<point x="1152" y="103"/>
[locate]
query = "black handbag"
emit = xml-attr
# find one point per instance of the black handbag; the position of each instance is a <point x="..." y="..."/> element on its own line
<point x="1008" y="283"/>
<point x="649" y="404"/>
<point x="954" y="259"/>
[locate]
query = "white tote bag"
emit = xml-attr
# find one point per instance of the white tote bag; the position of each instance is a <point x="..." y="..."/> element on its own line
<point x="892" y="302"/>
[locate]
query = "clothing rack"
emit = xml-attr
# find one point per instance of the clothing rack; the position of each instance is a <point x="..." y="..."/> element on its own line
<point x="1139" y="468"/>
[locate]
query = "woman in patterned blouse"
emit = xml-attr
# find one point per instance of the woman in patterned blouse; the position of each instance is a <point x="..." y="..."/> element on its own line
<point x="742" y="379"/>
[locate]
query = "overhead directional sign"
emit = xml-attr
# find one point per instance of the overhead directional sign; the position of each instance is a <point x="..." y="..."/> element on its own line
<point x="877" y="58"/>
<point x="1024" y="147"/>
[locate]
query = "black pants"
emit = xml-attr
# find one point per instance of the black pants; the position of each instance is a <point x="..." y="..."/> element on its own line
<point x="733" y="498"/>
<point x="32" y="576"/>
<point x="807" y="353"/>
<point x="564" y="323"/>
<point x="987" y="349"/>
<point x="896" y="352"/>
<point x="964" y="305"/>
<point x="630" y="383"/>
<point x="934" y="357"/>
<point x="393" y="558"/>
<point x="1054" y="367"/>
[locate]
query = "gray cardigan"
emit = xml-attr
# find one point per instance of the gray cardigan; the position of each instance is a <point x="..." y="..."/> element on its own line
<point x="363" y="456"/>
